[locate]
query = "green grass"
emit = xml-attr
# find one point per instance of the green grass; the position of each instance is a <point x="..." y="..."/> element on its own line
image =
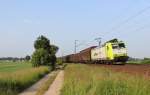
<point x="15" y="77"/>
<point x="139" y="62"/>
<point x="146" y="61"/>
<point x="87" y="80"/>
<point x="134" y="62"/>
<point x="13" y="66"/>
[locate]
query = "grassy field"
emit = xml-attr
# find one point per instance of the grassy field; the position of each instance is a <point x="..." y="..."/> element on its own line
<point x="13" y="66"/>
<point x="87" y="80"/>
<point x="16" y="76"/>
<point x="144" y="61"/>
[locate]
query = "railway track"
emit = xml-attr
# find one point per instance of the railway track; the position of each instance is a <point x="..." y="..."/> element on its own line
<point x="133" y="69"/>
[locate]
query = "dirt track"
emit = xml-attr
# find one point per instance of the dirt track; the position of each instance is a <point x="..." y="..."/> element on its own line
<point x="143" y="70"/>
<point x="34" y="88"/>
<point x="56" y="85"/>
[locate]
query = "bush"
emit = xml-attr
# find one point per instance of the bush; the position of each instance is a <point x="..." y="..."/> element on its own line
<point x="146" y="61"/>
<point x="59" y="61"/>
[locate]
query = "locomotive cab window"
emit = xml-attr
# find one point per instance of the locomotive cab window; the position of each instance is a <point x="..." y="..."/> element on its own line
<point x="121" y="45"/>
<point x="115" y="46"/>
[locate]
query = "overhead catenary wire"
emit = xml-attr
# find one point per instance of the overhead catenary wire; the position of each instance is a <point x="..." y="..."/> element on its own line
<point x="127" y="20"/>
<point x="120" y="25"/>
<point x="86" y="43"/>
<point x="140" y="28"/>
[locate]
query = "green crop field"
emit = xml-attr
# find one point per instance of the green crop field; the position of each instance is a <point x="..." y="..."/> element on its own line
<point x="139" y="62"/>
<point x="13" y="66"/>
<point x="83" y="79"/>
<point x="17" y="76"/>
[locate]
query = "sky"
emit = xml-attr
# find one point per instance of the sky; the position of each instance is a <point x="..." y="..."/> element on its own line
<point x="64" y="21"/>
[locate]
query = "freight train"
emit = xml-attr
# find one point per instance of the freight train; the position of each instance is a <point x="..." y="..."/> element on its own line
<point x="111" y="52"/>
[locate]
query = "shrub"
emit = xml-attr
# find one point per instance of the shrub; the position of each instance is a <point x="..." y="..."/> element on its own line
<point x="59" y="61"/>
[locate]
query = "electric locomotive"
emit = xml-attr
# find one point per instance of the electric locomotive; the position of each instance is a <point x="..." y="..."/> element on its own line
<point x="111" y="52"/>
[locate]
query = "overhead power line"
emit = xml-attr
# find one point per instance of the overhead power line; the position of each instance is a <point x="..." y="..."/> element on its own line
<point x="140" y="28"/>
<point x="99" y="41"/>
<point x="76" y="44"/>
<point x="85" y="43"/>
<point x="116" y="27"/>
<point x="132" y="17"/>
<point x="128" y="19"/>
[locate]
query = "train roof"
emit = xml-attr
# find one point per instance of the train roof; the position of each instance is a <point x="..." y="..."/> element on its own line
<point x="87" y="49"/>
<point x="114" y="41"/>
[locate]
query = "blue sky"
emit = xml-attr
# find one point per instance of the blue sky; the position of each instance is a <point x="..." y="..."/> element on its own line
<point x="63" y="21"/>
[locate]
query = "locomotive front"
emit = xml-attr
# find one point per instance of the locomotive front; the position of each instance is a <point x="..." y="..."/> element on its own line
<point x="112" y="52"/>
<point x="119" y="52"/>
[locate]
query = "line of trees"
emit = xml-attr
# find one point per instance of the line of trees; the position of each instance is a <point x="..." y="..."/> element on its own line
<point x="45" y="53"/>
<point x="27" y="58"/>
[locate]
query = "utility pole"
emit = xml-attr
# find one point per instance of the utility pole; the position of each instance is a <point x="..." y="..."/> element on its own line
<point x="75" y="46"/>
<point x="99" y="41"/>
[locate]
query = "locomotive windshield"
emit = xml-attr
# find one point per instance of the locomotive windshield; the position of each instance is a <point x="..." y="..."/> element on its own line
<point x="117" y="46"/>
<point x="121" y="45"/>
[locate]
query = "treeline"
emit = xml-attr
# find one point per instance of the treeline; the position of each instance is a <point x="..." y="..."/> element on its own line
<point x="134" y="59"/>
<point x="27" y="58"/>
<point x="139" y="60"/>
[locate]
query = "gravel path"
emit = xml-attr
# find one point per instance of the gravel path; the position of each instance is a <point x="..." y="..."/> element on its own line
<point x="56" y="86"/>
<point x="33" y="89"/>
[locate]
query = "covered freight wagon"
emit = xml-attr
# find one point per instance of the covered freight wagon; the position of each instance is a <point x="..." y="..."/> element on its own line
<point x="75" y="58"/>
<point x="85" y="55"/>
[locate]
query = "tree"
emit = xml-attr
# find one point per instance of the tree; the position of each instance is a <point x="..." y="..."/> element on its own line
<point x="42" y="42"/>
<point x="40" y="57"/>
<point x="27" y="58"/>
<point x="53" y="61"/>
<point x="145" y="58"/>
<point x="53" y="50"/>
<point x="44" y="53"/>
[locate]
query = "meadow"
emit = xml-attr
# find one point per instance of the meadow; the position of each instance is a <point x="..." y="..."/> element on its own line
<point x="83" y="79"/>
<point x="142" y="61"/>
<point x="17" y="76"/>
<point x="8" y="66"/>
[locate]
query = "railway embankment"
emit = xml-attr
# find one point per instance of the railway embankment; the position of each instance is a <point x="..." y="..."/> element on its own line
<point x="81" y="79"/>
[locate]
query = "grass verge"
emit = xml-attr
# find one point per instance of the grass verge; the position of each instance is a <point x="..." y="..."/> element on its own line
<point x="13" y="83"/>
<point x="86" y="80"/>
